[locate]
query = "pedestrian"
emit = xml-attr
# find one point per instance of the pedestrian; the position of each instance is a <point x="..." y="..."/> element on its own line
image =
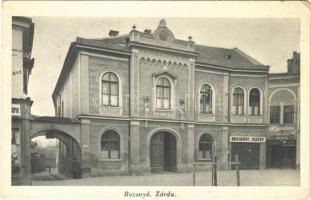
<point x="76" y="169"/>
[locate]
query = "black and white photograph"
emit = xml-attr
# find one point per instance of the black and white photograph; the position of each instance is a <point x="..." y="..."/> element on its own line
<point x="208" y="101"/>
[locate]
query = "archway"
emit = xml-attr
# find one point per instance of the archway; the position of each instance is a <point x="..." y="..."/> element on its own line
<point x="163" y="152"/>
<point x="68" y="151"/>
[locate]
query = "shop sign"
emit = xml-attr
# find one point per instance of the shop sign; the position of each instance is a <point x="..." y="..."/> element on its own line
<point x="16" y="110"/>
<point x="248" y="139"/>
<point x="281" y="128"/>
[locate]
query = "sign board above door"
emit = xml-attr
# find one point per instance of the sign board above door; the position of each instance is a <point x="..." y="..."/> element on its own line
<point x="248" y="139"/>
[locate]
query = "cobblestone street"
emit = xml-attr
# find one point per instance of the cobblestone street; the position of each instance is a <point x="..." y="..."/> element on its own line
<point x="269" y="177"/>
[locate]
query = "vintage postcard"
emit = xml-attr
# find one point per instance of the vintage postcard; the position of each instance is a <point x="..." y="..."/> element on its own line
<point x="155" y="100"/>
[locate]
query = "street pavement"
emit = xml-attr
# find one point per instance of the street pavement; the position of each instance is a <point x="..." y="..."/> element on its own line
<point x="270" y="177"/>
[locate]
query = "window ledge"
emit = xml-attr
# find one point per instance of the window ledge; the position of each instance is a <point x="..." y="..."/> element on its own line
<point x="163" y="110"/>
<point x="111" y="160"/>
<point x="109" y="106"/>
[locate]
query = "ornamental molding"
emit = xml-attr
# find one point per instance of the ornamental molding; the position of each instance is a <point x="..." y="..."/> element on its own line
<point x="163" y="62"/>
<point x="166" y="73"/>
<point x="163" y="33"/>
<point x="164" y="57"/>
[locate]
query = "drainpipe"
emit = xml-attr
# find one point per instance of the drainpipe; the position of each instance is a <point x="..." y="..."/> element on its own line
<point x="130" y="114"/>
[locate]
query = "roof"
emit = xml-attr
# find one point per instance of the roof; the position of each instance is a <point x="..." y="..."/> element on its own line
<point x="116" y="43"/>
<point x="230" y="58"/>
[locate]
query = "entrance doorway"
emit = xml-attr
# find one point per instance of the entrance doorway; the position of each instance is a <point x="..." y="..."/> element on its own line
<point x="248" y="155"/>
<point x="163" y="152"/>
<point x="281" y="155"/>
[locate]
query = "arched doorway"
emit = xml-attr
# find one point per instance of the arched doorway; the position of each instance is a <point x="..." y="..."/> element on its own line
<point x="68" y="151"/>
<point x="163" y="152"/>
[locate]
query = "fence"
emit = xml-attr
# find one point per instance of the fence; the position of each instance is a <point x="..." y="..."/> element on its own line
<point x="214" y="170"/>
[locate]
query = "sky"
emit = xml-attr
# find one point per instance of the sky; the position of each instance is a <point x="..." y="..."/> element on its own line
<point x="269" y="41"/>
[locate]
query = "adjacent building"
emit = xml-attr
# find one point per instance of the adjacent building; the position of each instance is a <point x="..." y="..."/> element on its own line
<point x="283" y="146"/>
<point x="22" y="64"/>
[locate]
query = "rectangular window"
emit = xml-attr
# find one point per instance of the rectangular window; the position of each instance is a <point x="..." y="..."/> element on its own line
<point x="15" y="136"/>
<point x="105" y="100"/>
<point x="105" y="154"/>
<point x="240" y="110"/>
<point x="114" y="89"/>
<point x="163" y="97"/>
<point x="114" y="100"/>
<point x="159" y="92"/>
<point x="238" y="104"/>
<point x="205" y="150"/>
<point x="105" y="88"/>
<point x="15" y="148"/>
<point x="17" y="40"/>
<point x="288" y="114"/>
<point x="166" y="103"/>
<point x="166" y="93"/>
<point x="159" y="103"/>
<point x="275" y="114"/>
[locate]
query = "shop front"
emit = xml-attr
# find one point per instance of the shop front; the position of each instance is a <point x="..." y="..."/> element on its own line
<point x="281" y="153"/>
<point x="248" y="148"/>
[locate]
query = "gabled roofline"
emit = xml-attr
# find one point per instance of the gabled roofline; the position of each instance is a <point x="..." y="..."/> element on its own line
<point x="71" y="55"/>
<point x="251" y="59"/>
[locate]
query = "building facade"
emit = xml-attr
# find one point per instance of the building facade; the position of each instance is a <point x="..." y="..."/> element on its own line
<point x="283" y="146"/>
<point x="149" y="102"/>
<point x="146" y="102"/>
<point x="22" y="64"/>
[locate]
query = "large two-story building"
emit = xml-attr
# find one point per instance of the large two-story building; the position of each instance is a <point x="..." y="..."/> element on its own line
<point x="149" y="102"/>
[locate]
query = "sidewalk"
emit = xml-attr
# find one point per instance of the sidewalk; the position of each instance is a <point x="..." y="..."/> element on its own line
<point x="48" y="176"/>
<point x="269" y="177"/>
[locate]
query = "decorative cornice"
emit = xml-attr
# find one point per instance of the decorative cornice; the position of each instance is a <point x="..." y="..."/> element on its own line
<point x="173" y="121"/>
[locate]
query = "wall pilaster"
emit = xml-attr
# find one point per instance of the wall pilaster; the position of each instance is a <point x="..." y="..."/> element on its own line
<point x="190" y="150"/>
<point x="134" y="83"/>
<point x="134" y="147"/>
<point x="85" y="144"/>
<point x="225" y="147"/>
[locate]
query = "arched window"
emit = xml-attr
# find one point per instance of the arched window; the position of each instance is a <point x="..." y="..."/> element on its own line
<point x="238" y="101"/>
<point x="206" y="98"/>
<point x="205" y="146"/>
<point x="254" y="101"/>
<point x="163" y="93"/>
<point x="110" y="145"/>
<point x="110" y="90"/>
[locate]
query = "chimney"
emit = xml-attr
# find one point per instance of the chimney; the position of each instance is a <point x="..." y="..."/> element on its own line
<point x="147" y="31"/>
<point x="113" y="33"/>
